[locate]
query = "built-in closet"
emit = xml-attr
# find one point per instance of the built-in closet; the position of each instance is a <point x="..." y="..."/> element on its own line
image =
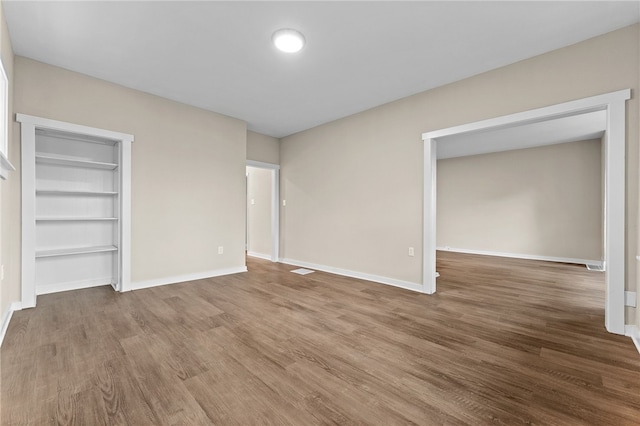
<point x="75" y="207"/>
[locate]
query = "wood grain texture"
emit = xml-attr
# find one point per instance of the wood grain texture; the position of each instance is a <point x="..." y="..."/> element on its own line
<point x="504" y="341"/>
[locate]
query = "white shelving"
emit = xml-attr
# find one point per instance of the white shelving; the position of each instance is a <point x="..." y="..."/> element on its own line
<point x="74" y="251"/>
<point x="73" y="219"/>
<point x="72" y="193"/>
<point x="76" y="207"/>
<point x="73" y="162"/>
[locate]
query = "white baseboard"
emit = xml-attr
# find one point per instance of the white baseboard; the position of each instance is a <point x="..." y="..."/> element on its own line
<point x="523" y="256"/>
<point x="138" y="285"/>
<point x="353" y="274"/>
<point x="630" y="299"/>
<point x="6" y="319"/>
<point x="74" y="285"/>
<point x="259" y="255"/>
<point x="633" y="332"/>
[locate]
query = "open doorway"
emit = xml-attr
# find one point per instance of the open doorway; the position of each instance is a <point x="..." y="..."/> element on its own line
<point x="614" y="189"/>
<point x="263" y="213"/>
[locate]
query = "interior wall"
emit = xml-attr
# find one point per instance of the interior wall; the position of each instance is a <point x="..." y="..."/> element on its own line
<point x="263" y="148"/>
<point x="354" y="186"/>
<point x="188" y="168"/>
<point x="544" y="201"/>
<point x="259" y="194"/>
<point x="635" y="313"/>
<point x="9" y="192"/>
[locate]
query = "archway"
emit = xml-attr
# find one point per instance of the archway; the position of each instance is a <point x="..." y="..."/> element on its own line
<point x="614" y="191"/>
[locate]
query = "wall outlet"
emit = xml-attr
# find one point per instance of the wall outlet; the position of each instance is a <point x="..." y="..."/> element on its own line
<point x="220" y="250"/>
<point x="284" y="203"/>
<point x="253" y="202"/>
<point x="411" y="252"/>
<point x="1" y="272"/>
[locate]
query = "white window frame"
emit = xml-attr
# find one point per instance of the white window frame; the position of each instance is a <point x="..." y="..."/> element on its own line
<point x="5" y="165"/>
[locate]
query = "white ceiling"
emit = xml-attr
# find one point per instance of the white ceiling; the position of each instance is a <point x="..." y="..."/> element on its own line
<point x="218" y="55"/>
<point x="586" y="126"/>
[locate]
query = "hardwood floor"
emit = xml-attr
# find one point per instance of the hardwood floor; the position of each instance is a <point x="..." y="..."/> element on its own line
<point x="503" y="341"/>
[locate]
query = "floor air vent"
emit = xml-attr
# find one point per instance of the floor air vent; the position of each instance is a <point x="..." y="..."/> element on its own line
<point x="597" y="268"/>
<point x="302" y="271"/>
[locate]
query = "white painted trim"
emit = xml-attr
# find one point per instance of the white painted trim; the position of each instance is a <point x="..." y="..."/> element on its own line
<point x="633" y="332"/>
<point x="523" y="256"/>
<point x="275" y="205"/>
<point x="6" y="319"/>
<point x="75" y="285"/>
<point x="275" y="215"/>
<point x="579" y="106"/>
<point x="353" y="274"/>
<point x="4" y="120"/>
<point x="28" y="179"/>
<point x="45" y="123"/>
<point x="429" y="273"/>
<point x="615" y="198"/>
<point x="124" y="201"/>
<point x="615" y="214"/>
<point x="259" y="255"/>
<point x="176" y="279"/>
<point x="630" y="299"/>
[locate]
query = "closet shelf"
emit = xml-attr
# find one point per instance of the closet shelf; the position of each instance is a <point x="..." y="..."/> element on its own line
<point x="74" y="251"/>
<point x="74" y="219"/>
<point x="64" y="192"/>
<point x="73" y="162"/>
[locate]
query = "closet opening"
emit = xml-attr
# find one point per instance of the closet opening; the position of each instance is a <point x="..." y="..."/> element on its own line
<point x="76" y="207"/>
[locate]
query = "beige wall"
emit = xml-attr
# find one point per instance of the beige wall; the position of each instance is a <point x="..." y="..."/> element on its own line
<point x="259" y="187"/>
<point x="188" y="168"/>
<point x="263" y="148"/>
<point x="9" y="194"/>
<point x="354" y="186"/>
<point x="544" y="201"/>
<point x="635" y="313"/>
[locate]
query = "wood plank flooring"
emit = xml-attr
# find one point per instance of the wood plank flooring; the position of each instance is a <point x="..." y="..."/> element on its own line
<point x="504" y="341"/>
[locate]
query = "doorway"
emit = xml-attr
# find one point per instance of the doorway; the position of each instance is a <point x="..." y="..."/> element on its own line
<point x="263" y="212"/>
<point x="614" y="189"/>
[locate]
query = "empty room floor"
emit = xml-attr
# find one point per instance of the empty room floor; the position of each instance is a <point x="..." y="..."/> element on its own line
<point x="504" y="341"/>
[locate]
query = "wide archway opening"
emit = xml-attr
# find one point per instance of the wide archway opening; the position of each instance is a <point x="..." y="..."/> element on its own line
<point x="472" y="138"/>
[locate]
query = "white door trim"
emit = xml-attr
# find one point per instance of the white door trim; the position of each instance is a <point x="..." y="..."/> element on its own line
<point x="275" y="205"/>
<point x="615" y="195"/>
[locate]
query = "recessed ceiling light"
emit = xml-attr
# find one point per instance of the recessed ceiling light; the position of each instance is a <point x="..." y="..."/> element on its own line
<point x="288" y="40"/>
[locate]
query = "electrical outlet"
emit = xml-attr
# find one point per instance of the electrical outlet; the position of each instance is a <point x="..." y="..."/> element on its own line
<point x="1" y="272"/>
<point x="220" y="250"/>
<point x="284" y="203"/>
<point x="411" y="252"/>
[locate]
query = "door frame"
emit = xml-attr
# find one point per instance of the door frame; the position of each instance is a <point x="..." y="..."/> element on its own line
<point x="275" y="205"/>
<point x="614" y="149"/>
